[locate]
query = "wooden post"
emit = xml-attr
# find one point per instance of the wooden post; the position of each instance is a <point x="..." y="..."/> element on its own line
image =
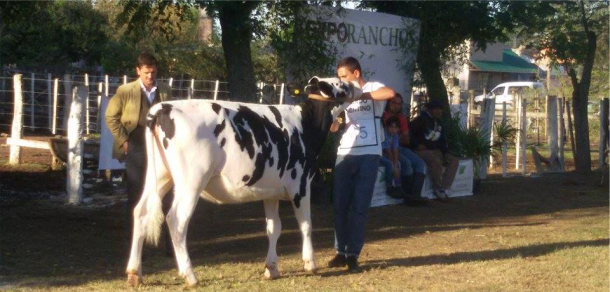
<point x="470" y="121"/>
<point x="124" y="79"/>
<point x="553" y="127"/>
<point x="171" y="81"/>
<point x="524" y="133"/>
<point x="488" y="108"/>
<point x="561" y="134"/>
<point x="570" y="129"/>
<point x="216" y="90"/>
<point x="517" y="98"/>
<point x="282" y="94"/>
<point x="603" y="130"/>
<point x="504" y="146"/>
<point x="74" y="182"/>
<point x="32" y="100"/>
<point x="55" y="93"/>
<point x="107" y="85"/>
<point x="192" y="89"/>
<point x="49" y="100"/>
<point x="87" y="104"/>
<point x="99" y="107"/>
<point x="260" y="88"/>
<point x="67" y="100"/>
<point x="17" y="127"/>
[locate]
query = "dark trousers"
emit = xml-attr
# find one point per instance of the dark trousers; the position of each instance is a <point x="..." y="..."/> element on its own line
<point x="135" y="174"/>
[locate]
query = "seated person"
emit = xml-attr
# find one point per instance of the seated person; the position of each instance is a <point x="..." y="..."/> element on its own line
<point x="413" y="182"/>
<point x="429" y="143"/>
<point x="396" y="165"/>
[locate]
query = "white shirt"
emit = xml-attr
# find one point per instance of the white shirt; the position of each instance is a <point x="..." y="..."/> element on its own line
<point x="150" y="95"/>
<point x="363" y="133"/>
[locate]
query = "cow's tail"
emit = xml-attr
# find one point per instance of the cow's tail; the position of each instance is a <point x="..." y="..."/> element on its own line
<point x="154" y="212"/>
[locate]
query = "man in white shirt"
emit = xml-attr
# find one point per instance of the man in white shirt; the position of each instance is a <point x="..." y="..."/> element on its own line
<point x="357" y="162"/>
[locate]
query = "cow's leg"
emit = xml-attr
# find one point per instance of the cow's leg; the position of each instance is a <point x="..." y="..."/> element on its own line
<point x="186" y="195"/>
<point x="302" y="211"/>
<point x="274" y="228"/>
<point x="155" y="189"/>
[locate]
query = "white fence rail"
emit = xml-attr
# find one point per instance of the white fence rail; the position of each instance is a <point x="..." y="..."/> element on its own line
<point x="46" y="99"/>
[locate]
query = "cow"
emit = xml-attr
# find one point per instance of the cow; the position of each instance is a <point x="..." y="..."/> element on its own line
<point x="228" y="153"/>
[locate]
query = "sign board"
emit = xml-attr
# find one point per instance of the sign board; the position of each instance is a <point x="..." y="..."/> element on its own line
<point x="462" y="184"/>
<point x="385" y="44"/>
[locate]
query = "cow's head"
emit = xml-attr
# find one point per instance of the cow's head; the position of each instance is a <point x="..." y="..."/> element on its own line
<point x="333" y="89"/>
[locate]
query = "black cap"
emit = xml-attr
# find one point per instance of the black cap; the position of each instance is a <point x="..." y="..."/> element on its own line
<point x="434" y="104"/>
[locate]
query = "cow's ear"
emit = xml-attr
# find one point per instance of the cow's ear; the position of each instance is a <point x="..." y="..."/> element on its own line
<point x="314" y="80"/>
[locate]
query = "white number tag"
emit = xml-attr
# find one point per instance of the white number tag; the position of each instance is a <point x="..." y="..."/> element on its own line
<point x="361" y="134"/>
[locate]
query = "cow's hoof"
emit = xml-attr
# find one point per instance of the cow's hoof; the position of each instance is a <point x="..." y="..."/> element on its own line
<point x="271" y="272"/>
<point x="191" y="280"/>
<point x="134" y="280"/>
<point x="310" y="267"/>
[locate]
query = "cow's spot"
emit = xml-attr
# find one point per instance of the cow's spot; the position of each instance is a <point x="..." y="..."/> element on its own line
<point x="165" y="122"/>
<point x="219" y="128"/>
<point x="246" y="178"/>
<point x="294" y="173"/>
<point x="271" y="160"/>
<point x="216" y="107"/>
<point x="165" y="143"/>
<point x="222" y="142"/>
<point x="278" y="116"/>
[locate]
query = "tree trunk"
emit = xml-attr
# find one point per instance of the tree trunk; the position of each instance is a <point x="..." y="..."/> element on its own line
<point x="429" y="64"/>
<point x="236" y="37"/>
<point x="580" y="97"/>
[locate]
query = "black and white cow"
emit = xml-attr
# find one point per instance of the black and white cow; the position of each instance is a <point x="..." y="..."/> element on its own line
<point x="229" y="152"/>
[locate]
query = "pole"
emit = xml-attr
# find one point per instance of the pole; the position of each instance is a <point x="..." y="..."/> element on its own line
<point x="561" y="134"/>
<point x="216" y="90"/>
<point x="32" y="100"/>
<point x="67" y="100"/>
<point x="171" y="81"/>
<point x="49" y="100"/>
<point x="107" y="85"/>
<point x="524" y="133"/>
<point x="570" y="129"/>
<point x="17" y="127"/>
<point x="520" y="136"/>
<point x="504" y="146"/>
<point x="76" y="147"/>
<point x="192" y="89"/>
<point x="55" y="93"/>
<point x="87" y="104"/>
<point x="124" y="79"/>
<point x="282" y="94"/>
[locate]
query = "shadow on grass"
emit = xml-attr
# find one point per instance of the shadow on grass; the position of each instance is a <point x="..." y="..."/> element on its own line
<point x="51" y="246"/>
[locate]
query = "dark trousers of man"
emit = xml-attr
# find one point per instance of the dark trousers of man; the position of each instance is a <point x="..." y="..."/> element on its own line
<point x="135" y="172"/>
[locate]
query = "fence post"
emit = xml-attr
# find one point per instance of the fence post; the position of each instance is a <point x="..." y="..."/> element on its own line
<point x="570" y="129"/>
<point x="488" y="108"/>
<point x="191" y="89"/>
<point x="171" y="81"/>
<point x="17" y="127"/>
<point x="603" y="130"/>
<point x="32" y="100"/>
<point x="524" y="133"/>
<point x="49" y="100"/>
<point x="216" y="89"/>
<point x="67" y="100"/>
<point x="98" y="120"/>
<point x="124" y="79"/>
<point x="561" y="135"/>
<point x="282" y="94"/>
<point x="470" y="121"/>
<point x="87" y="104"/>
<point x="107" y="85"/>
<point x="76" y="146"/>
<point x="552" y="129"/>
<point x="55" y="93"/>
<point x="518" y="145"/>
<point x="504" y="146"/>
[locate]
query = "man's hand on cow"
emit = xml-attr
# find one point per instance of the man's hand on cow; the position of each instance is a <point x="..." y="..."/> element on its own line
<point x="125" y="146"/>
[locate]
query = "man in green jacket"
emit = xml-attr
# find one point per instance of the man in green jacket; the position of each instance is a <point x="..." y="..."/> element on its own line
<point x="126" y="119"/>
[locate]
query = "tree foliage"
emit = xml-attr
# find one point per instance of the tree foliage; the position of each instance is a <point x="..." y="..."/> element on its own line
<point x="568" y="34"/>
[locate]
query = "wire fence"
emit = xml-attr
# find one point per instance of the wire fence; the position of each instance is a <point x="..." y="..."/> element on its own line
<point x="47" y="98"/>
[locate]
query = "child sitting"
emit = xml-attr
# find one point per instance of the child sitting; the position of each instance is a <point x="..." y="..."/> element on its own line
<point x="392" y="159"/>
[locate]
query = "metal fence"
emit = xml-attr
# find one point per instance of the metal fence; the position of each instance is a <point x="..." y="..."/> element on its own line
<point x="46" y="98"/>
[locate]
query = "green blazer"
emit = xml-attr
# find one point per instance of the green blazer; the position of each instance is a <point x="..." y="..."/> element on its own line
<point x="123" y="112"/>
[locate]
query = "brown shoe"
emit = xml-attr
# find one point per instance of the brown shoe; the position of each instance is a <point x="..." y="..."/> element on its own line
<point x="338" y="261"/>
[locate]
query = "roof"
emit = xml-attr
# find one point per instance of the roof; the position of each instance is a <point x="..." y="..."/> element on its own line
<point x="511" y="63"/>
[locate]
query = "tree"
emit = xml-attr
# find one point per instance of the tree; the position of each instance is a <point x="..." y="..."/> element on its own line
<point x="445" y="26"/>
<point x="236" y="24"/>
<point x="568" y="35"/>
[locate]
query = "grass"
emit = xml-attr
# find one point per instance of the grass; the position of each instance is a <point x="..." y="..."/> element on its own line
<point x="518" y="234"/>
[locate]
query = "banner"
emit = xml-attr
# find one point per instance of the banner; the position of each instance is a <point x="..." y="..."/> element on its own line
<point x="385" y="44"/>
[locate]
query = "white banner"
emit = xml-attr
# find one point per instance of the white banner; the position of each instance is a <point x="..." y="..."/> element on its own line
<point x="385" y="44"/>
